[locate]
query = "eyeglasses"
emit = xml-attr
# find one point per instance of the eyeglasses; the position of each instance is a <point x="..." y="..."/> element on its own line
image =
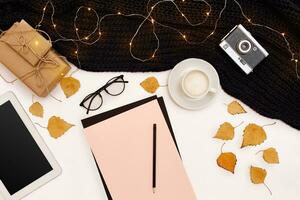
<point x="113" y="87"/>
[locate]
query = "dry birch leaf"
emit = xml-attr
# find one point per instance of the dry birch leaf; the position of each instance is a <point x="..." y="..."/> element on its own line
<point x="69" y="85"/>
<point x="150" y="84"/>
<point x="257" y="175"/>
<point x="227" y="161"/>
<point x="225" y="132"/>
<point x="57" y="126"/>
<point x="270" y="155"/>
<point x="253" y="135"/>
<point x="36" y="109"/>
<point x="235" y="108"/>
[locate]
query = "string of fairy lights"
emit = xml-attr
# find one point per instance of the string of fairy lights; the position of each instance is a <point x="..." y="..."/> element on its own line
<point x="90" y="38"/>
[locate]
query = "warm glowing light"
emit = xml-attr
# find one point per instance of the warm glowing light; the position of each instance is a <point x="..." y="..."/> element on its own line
<point x="283" y="34"/>
<point x="212" y="33"/>
<point x="249" y="20"/>
<point x="36" y="42"/>
<point x="119" y="13"/>
<point x="184" y="36"/>
<point x="44" y="8"/>
<point x="89" y="9"/>
<point x="86" y="38"/>
<point x="153" y="55"/>
<point x="130" y="44"/>
<point x="207" y="13"/>
<point x="152" y="8"/>
<point x="182" y="14"/>
<point x="296" y="60"/>
<point x="54" y="25"/>
<point x="152" y="21"/>
<point x="76" y="52"/>
<point x="77" y="29"/>
<point x="100" y="33"/>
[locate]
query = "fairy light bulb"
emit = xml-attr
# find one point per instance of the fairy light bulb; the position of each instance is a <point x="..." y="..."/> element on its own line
<point x="54" y="25"/>
<point x="86" y="38"/>
<point x="130" y="44"/>
<point x="77" y="29"/>
<point x="152" y="21"/>
<point x="184" y="36"/>
<point x="182" y="14"/>
<point x="249" y="20"/>
<point x="283" y="34"/>
<point x="76" y="52"/>
<point x="89" y="9"/>
<point x="44" y="8"/>
<point x="119" y="13"/>
<point x="207" y="14"/>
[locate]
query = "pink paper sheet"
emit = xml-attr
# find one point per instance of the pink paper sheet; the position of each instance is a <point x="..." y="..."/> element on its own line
<point x="122" y="146"/>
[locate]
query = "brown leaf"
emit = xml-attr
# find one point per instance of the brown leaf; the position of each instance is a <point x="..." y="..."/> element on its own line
<point x="57" y="126"/>
<point x="225" y="132"/>
<point x="227" y="161"/>
<point x="150" y="84"/>
<point x="253" y="135"/>
<point x="36" y="109"/>
<point x="69" y="85"/>
<point x="257" y="175"/>
<point x="270" y="155"/>
<point x="235" y="108"/>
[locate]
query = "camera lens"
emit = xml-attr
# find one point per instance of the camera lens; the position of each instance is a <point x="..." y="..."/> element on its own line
<point x="244" y="46"/>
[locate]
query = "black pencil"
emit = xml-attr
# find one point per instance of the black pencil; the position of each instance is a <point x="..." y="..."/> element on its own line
<point x="154" y="159"/>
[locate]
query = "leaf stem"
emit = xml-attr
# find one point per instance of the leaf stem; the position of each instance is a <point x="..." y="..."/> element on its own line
<point x="40" y="125"/>
<point x="239" y="124"/>
<point x="269" y="124"/>
<point x="268" y="188"/>
<point x="222" y="147"/>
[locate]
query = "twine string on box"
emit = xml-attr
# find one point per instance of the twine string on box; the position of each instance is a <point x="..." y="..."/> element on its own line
<point x="42" y="60"/>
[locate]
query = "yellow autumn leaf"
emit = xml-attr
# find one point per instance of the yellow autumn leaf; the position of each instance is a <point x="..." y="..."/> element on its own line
<point x="57" y="126"/>
<point x="225" y="132"/>
<point x="150" y="84"/>
<point x="235" y="108"/>
<point x="253" y="135"/>
<point x="69" y="85"/>
<point x="36" y="109"/>
<point x="257" y="175"/>
<point x="270" y="155"/>
<point x="227" y="161"/>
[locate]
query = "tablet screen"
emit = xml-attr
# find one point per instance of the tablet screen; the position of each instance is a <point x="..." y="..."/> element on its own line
<point x="21" y="160"/>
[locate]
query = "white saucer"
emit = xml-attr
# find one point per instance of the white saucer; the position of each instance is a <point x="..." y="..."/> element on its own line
<point x="174" y="83"/>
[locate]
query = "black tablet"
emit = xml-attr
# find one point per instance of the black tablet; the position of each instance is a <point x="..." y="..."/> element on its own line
<point x="26" y="161"/>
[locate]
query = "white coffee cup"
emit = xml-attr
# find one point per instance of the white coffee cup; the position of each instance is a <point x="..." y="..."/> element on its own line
<point x="196" y="84"/>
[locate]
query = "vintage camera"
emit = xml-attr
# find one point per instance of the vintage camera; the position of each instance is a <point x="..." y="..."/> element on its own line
<point x="240" y="45"/>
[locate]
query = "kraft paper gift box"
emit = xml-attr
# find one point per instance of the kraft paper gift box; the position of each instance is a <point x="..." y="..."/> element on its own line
<point x="28" y="55"/>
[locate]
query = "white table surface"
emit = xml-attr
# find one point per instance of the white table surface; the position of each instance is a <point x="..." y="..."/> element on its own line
<point x="194" y="131"/>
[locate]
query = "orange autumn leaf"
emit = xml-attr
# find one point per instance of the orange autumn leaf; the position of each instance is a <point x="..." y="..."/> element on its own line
<point x="57" y="126"/>
<point x="225" y="132"/>
<point x="36" y="109"/>
<point x="227" y="161"/>
<point x="270" y="155"/>
<point x="257" y="175"/>
<point x="253" y="135"/>
<point x="69" y="85"/>
<point x="235" y="108"/>
<point x="150" y="84"/>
